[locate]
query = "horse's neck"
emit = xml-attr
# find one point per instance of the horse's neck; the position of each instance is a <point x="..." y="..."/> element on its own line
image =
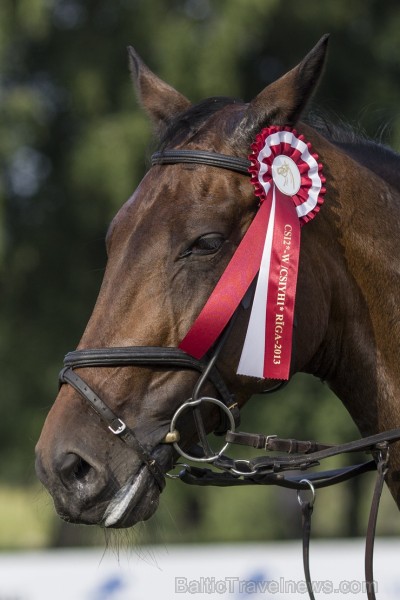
<point x="363" y="328"/>
<point x="359" y="352"/>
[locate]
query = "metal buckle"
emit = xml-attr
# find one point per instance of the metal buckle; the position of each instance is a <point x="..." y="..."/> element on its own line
<point x="269" y="437"/>
<point x="119" y="429"/>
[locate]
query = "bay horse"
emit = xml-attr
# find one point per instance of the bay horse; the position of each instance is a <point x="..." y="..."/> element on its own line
<point x="168" y="247"/>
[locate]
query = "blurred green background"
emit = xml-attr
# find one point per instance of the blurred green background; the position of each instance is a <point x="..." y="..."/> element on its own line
<point x="73" y="146"/>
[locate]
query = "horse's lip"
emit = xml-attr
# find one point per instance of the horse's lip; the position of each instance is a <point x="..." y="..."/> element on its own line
<point x="137" y="499"/>
<point x="120" y="504"/>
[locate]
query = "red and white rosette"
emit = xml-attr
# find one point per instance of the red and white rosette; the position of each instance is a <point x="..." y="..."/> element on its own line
<point x="288" y="180"/>
<point x="288" y="177"/>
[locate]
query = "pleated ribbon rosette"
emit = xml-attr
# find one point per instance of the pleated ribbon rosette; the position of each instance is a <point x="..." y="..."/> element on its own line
<point x="288" y="181"/>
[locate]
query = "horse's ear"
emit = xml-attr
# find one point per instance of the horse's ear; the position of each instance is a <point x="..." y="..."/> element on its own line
<point x="283" y="101"/>
<point x="161" y="101"/>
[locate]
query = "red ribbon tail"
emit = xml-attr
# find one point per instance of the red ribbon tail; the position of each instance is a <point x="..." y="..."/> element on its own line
<point x="282" y="289"/>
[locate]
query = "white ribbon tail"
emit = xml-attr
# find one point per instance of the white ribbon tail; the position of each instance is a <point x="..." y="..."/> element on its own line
<point x="252" y="358"/>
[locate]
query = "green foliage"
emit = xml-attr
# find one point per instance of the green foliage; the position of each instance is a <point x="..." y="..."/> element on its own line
<point x="73" y="147"/>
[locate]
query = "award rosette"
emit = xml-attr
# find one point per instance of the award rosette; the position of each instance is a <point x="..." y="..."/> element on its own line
<point x="288" y="181"/>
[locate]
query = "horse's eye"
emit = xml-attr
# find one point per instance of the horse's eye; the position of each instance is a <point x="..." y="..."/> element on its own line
<point x="206" y="244"/>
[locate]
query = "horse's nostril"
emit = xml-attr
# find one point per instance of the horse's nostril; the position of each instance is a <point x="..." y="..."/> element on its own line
<point x="82" y="469"/>
<point x="73" y="468"/>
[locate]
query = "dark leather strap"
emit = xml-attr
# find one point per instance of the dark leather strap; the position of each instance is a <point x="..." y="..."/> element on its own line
<point x="304" y="461"/>
<point x="146" y="356"/>
<point x="273" y="443"/>
<point x="206" y="477"/>
<point x="132" y="355"/>
<point x="382" y="468"/>
<point x="212" y="159"/>
<point x="114" y="423"/>
<point x="306" y="512"/>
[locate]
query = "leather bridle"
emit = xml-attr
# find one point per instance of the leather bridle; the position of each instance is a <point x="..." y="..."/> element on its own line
<point x="289" y="455"/>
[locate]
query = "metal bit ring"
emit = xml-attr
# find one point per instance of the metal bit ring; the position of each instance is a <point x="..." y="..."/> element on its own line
<point x="191" y="403"/>
<point x="312" y="490"/>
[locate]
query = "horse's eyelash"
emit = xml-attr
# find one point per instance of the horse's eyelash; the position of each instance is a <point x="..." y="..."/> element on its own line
<point x="214" y="244"/>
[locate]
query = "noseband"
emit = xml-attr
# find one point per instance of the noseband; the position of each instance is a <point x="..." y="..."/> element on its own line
<point x="289" y="455"/>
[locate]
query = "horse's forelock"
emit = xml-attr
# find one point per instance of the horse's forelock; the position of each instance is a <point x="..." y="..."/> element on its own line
<point x="188" y="123"/>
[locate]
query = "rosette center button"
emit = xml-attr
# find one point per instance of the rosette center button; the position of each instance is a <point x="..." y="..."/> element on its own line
<point x="286" y="175"/>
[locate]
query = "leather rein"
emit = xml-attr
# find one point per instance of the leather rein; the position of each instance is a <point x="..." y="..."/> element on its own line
<point x="288" y="455"/>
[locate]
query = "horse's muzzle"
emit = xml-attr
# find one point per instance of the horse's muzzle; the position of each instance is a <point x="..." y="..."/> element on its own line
<point x="86" y="491"/>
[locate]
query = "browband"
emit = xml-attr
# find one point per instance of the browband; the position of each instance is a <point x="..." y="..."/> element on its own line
<point x="212" y="159"/>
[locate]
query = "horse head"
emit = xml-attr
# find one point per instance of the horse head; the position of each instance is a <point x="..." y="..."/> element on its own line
<point x="167" y="248"/>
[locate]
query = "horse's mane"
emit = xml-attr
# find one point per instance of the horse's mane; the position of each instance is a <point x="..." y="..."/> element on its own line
<point x="373" y="154"/>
